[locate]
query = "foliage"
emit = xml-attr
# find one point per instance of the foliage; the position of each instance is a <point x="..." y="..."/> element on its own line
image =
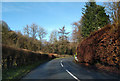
<point x="54" y="41"/>
<point x="41" y="33"/>
<point x="33" y="30"/>
<point x="58" y="43"/>
<point x="27" y="30"/>
<point x="13" y="58"/>
<point x="63" y="41"/>
<point x="16" y="39"/>
<point x="101" y="47"/>
<point x="107" y="51"/>
<point x="94" y="17"/>
<point x="63" y="34"/>
<point x="61" y="45"/>
<point x="113" y="9"/>
<point x="77" y="32"/>
<point x="53" y="36"/>
<point x="5" y="30"/>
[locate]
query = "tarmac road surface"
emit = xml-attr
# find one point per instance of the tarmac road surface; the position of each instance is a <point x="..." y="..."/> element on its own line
<point x="65" y="68"/>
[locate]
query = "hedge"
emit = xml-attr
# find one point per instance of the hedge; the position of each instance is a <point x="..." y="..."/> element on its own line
<point x="101" y="47"/>
<point x="12" y="57"/>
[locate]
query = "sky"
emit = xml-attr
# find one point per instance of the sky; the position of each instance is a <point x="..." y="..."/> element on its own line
<point x="49" y="15"/>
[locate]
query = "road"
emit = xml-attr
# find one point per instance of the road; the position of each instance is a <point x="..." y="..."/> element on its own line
<point x="65" y="68"/>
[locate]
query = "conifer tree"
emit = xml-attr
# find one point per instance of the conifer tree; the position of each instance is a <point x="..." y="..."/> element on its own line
<point x="94" y="17"/>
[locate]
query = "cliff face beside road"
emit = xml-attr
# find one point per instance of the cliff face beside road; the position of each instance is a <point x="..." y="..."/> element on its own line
<point x="101" y="48"/>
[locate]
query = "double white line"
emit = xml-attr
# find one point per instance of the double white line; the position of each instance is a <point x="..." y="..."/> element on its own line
<point x="69" y="72"/>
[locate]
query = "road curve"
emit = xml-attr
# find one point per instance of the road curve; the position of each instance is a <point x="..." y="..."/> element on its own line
<point x="65" y="68"/>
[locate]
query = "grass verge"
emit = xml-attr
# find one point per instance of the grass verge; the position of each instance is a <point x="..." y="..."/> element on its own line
<point x="19" y="72"/>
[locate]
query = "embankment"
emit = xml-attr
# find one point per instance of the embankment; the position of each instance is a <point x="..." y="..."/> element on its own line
<point x="102" y="49"/>
<point x="12" y="57"/>
<point x="18" y="62"/>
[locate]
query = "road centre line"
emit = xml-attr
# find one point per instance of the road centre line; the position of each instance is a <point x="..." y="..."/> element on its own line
<point x="72" y="75"/>
<point x="61" y="64"/>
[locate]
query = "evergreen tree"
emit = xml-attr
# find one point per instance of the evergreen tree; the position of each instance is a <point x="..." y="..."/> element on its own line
<point x="94" y="17"/>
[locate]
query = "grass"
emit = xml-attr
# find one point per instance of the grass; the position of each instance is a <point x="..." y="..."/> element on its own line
<point x="19" y="72"/>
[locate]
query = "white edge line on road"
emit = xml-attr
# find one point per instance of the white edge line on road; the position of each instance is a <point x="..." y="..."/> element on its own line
<point x="72" y="75"/>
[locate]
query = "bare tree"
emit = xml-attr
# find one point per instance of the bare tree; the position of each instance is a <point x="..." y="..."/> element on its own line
<point x="113" y="9"/>
<point x="63" y="41"/>
<point x="27" y="30"/>
<point x="34" y="30"/>
<point x="77" y="32"/>
<point x="41" y="33"/>
<point x="53" y="36"/>
<point x="63" y="34"/>
<point x="54" y="41"/>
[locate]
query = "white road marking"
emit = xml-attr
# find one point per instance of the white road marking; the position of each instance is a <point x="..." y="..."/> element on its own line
<point x="61" y="64"/>
<point x="72" y="75"/>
